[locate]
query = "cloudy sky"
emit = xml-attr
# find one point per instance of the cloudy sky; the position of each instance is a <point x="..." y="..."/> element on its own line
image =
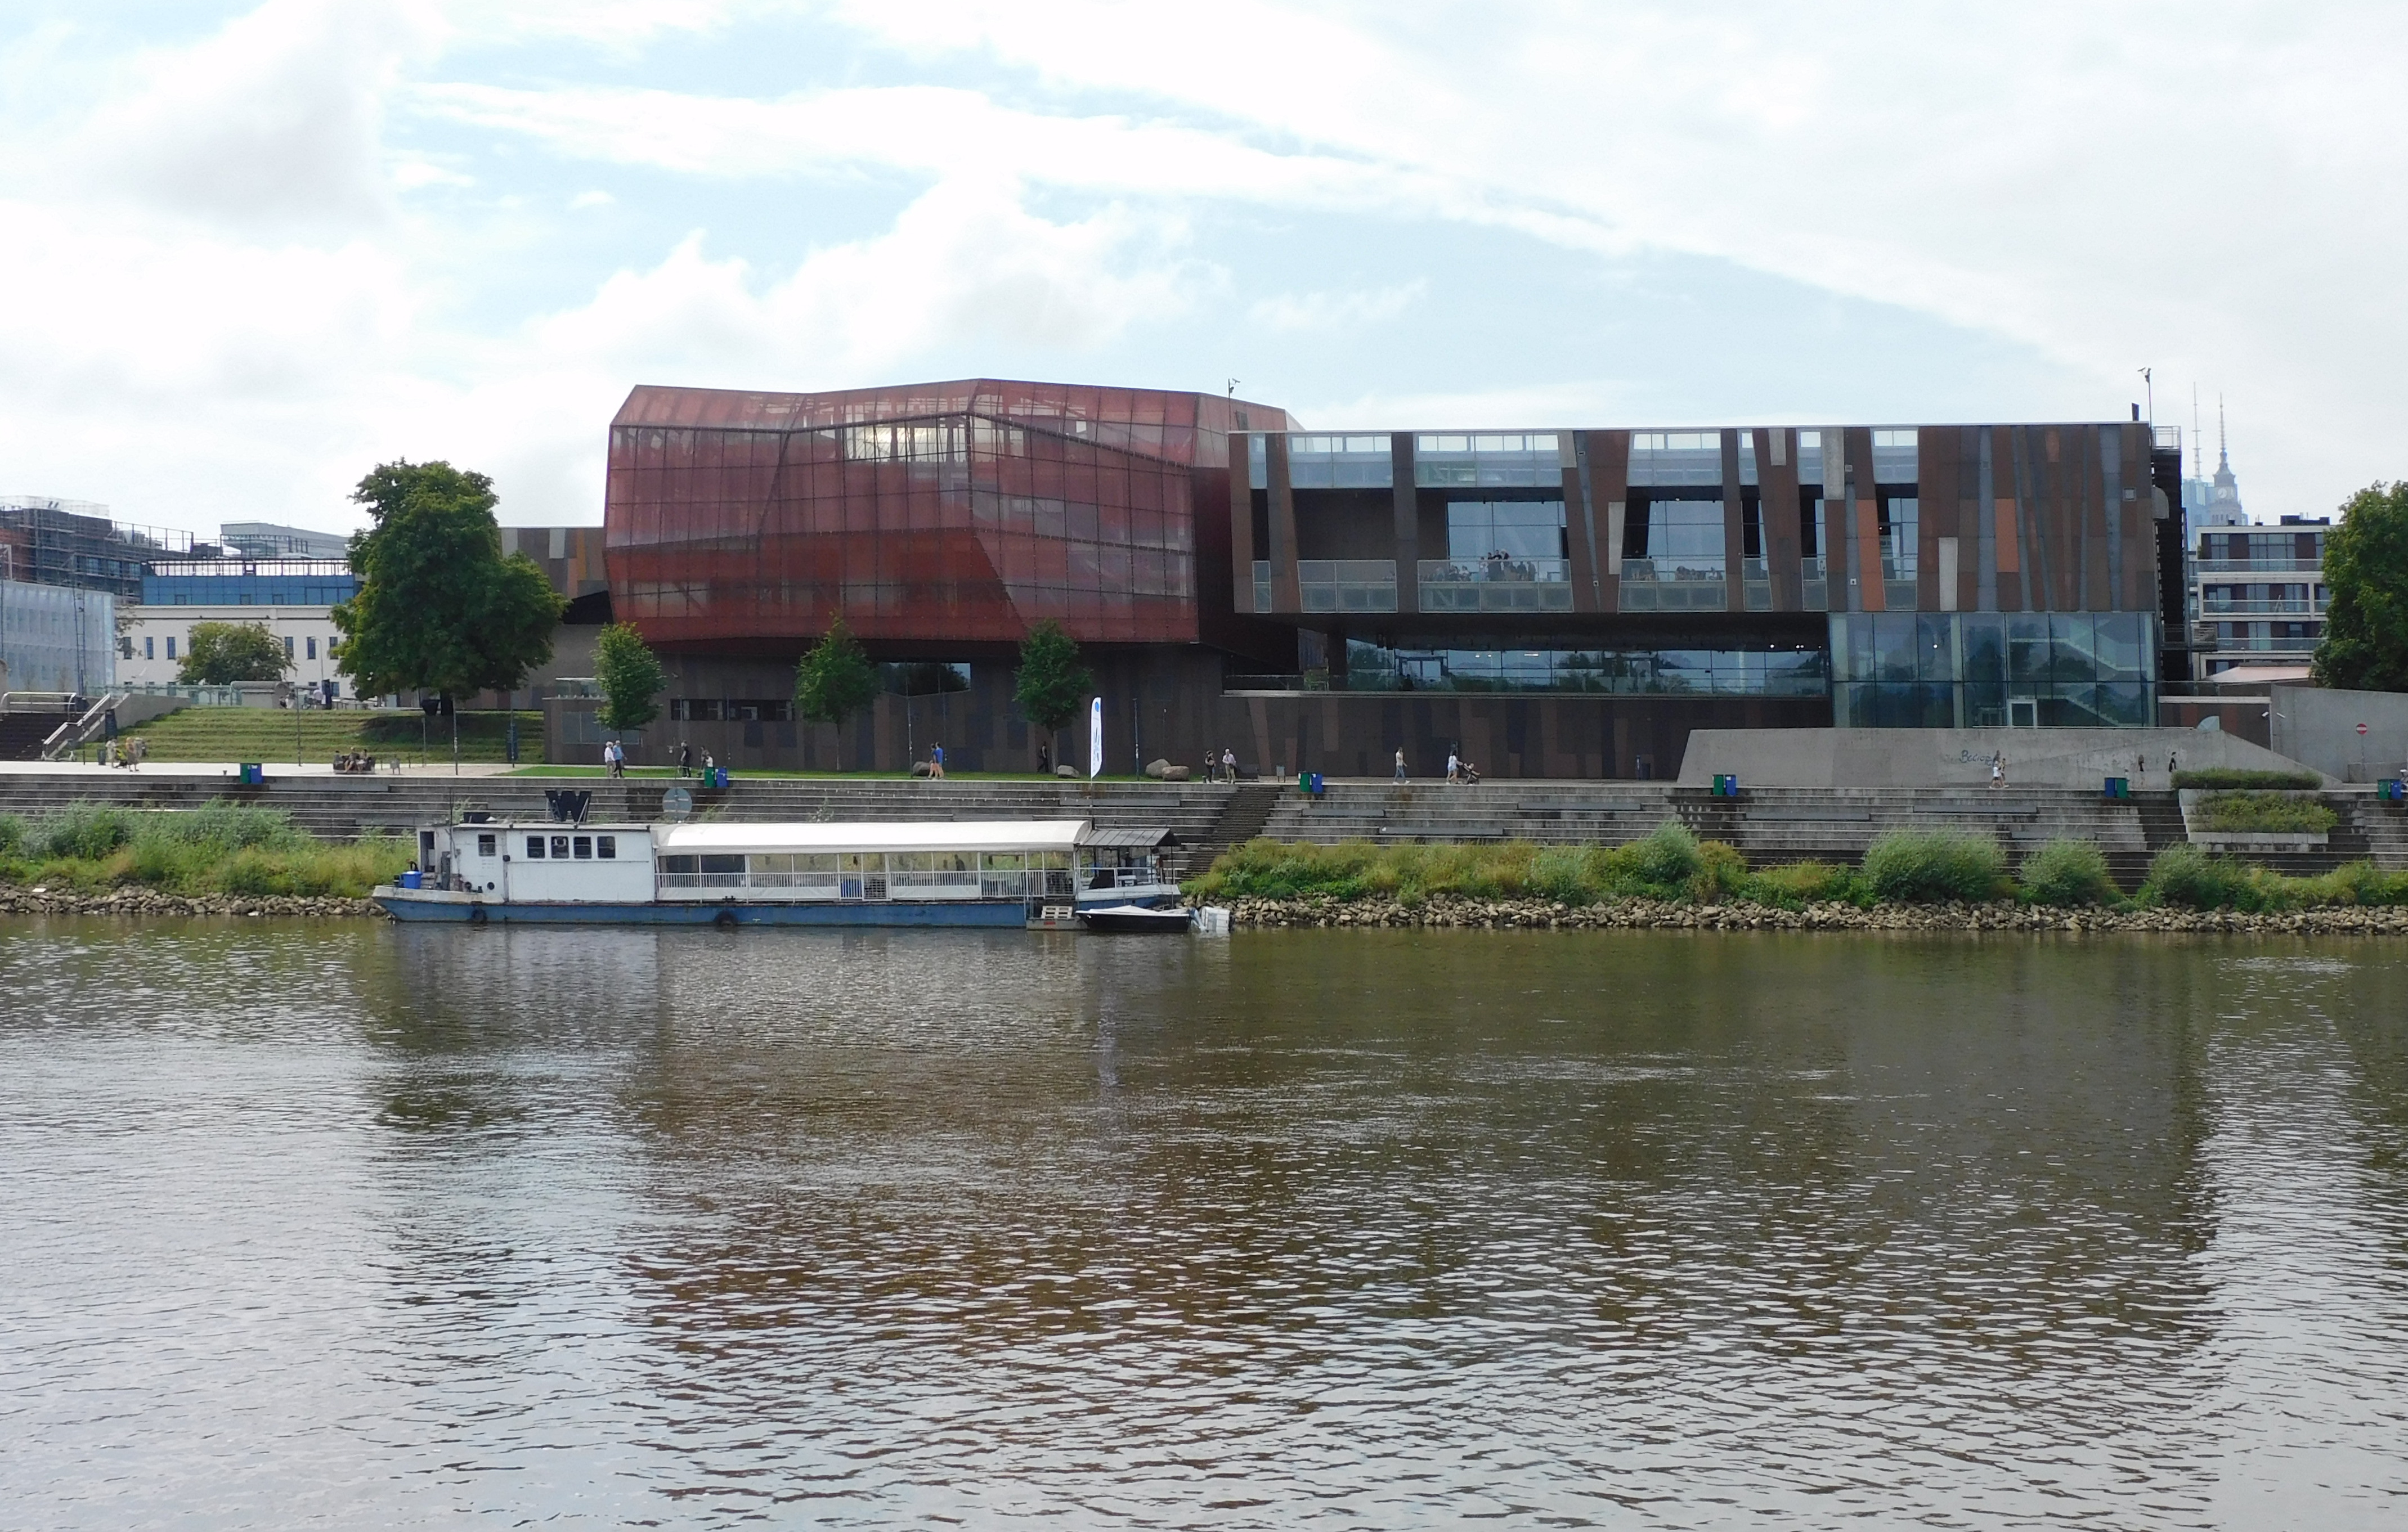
<point x="253" y="250"/>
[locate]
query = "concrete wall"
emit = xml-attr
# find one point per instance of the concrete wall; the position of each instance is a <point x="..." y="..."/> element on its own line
<point x="2082" y="758"/>
<point x="2319" y="725"/>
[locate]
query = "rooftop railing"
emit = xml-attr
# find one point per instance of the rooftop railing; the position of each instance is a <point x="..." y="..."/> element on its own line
<point x="1497" y="584"/>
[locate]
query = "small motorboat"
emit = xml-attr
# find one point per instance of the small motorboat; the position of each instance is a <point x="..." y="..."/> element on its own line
<point x="1128" y="919"/>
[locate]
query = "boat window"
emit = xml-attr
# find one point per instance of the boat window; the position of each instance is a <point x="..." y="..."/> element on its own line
<point x="485" y="845"/>
<point x="910" y="862"/>
<point x="864" y="862"/>
<point x="607" y="846"/>
<point x="956" y="861"/>
<point x="722" y="864"/>
<point x="560" y="847"/>
<point x="585" y="847"/>
<point x="1004" y="861"/>
<point x="677" y="864"/>
<point x="775" y="865"/>
<point x="534" y="848"/>
<point x="825" y="862"/>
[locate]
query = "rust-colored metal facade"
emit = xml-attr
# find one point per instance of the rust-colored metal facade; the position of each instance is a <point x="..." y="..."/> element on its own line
<point x="942" y="517"/>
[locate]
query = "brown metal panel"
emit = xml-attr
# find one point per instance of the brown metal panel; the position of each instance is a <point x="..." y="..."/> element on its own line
<point x="1578" y="530"/>
<point x="1408" y="554"/>
<point x="1285" y="596"/>
<point x="1863" y="514"/>
<point x="1734" y="534"/>
<point x="1609" y="472"/>
<point x="1242" y="525"/>
<point x="1935" y="471"/>
<point x="1777" y="501"/>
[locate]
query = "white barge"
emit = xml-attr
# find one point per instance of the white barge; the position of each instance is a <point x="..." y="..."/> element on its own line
<point x="991" y="873"/>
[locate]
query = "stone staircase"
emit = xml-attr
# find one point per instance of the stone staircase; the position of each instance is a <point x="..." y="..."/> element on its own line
<point x="1607" y="814"/>
<point x="1249" y="811"/>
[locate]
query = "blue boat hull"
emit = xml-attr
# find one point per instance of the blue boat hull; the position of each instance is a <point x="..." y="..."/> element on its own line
<point x="899" y="913"/>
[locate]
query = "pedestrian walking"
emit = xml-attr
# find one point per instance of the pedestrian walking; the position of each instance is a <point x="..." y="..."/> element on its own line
<point x="1229" y="765"/>
<point x="685" y="759"/>
<point x="1400" y="764"/>
<point x="2170" y="764"/>
<point x="1454" y="768"/>
<point x="1997" y="771"/>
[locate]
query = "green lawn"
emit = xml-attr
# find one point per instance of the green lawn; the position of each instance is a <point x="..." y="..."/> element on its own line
<point x="268" y="734"/>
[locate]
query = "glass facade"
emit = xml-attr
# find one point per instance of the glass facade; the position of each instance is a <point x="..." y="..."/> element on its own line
<point x="1518" y="460"/>
<point x="57" y="640"/>
<point x="955" y="512"/>
<point x="248" y="582"/>
<point x="1982" y="670"/>
<point x="1504" y="529"/>
<point x="1481" y="664"/>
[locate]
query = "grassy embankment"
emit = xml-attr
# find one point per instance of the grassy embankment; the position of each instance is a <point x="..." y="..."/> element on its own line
<point x="220" y="848"/>
<point x="740" y="772"/>
<point x="268" y="734"/>
<point x="1901" y="867"/>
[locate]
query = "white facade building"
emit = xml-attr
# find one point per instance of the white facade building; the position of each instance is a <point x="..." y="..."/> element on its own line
<point x="157" y="639"/>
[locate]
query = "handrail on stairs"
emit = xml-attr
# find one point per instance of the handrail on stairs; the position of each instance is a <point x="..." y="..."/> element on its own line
<point x="74" y="732"/>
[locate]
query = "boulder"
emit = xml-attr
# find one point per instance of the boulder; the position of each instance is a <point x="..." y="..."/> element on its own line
<point x="1157" y="770"/>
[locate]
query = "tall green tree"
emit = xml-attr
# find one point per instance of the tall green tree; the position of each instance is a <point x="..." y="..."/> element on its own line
<point x="440" y="607"/>
<point x="835" y="681"/>
<point x="218" y="653"/>
<point x="631" y="677"/>
<point x="1052" y="682"/>
<point x="2365" y="645"/>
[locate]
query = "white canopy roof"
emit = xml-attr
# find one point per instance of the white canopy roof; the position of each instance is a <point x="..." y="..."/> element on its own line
<point x="988" y="835"/>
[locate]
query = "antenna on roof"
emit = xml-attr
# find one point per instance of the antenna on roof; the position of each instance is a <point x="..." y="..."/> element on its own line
<point x="2149" y="383"/>
<point x="2220" y="460"/>
<point x="1233" y="388"/>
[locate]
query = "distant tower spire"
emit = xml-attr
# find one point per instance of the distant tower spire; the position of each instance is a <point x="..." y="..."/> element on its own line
<point x="2223" y="463"/>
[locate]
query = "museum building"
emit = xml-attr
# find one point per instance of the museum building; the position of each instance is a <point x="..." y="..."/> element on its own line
<point x="1547" y="603"/>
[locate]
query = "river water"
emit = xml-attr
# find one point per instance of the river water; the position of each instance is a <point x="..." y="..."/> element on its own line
<point x="378" y="1225"/>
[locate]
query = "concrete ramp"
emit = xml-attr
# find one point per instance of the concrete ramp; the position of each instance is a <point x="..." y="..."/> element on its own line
<point x="2077" y="758"/>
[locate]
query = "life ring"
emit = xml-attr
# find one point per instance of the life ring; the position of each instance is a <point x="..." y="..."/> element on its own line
<point x="477" y="914"/>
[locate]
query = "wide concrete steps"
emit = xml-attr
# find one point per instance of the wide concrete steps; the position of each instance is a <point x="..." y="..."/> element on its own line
<point x="1553" y="813"/>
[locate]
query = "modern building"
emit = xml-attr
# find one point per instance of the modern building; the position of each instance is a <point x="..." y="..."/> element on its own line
<point x="73" y="543"/>
<point x="266" y="541"/>
<point x="2259" y="595"/>
<point x="1547" y="602"/>
<point x="248" y="583"/>
<point x="56" y="639"/>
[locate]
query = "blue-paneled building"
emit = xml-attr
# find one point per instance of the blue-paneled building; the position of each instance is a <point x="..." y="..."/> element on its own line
<point x="248" y="583"/>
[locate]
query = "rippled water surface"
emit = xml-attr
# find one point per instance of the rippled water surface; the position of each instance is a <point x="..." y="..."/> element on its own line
<point x="406" y="1227"/>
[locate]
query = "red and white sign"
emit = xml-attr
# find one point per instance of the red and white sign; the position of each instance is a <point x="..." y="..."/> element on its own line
<point x="2362" y="728"/>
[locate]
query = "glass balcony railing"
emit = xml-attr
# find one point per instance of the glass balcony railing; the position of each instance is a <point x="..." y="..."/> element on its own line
<point x="1262" y="583"/>
<point x="2254" y="566"/>
<point x="1671" y="585"/>
<point x="1816" y="592"/>
<point x="2263" y="609"/>
<point x="1347" y="584"/>
<point x="1496" y="585"/>
<point x="1756" y="582"/>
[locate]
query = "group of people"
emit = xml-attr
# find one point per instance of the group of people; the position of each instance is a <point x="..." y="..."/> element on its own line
<point x="1459" y="766"/>
<point x="355" y="763"/>
<point x="127" y="753"/>
<point x="1221" y="767"/>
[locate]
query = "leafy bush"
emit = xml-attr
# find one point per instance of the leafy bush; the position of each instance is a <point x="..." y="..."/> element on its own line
<point x="2241" y="813"/>
<point x="1801" y="883"/>
<point x="1722" y="873"/>
<point x="1933" y="866"/>
<point x="12" y="834"/>
<point x="2236" y="777"/>
<point x="2187" y="876"/>
<point x="83" y="830"/>
<point x="1666" y="858"/>
<point x="2068" y="873"/>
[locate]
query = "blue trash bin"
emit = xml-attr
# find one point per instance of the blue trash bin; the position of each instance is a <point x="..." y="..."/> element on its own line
<point x="413" y="878"/>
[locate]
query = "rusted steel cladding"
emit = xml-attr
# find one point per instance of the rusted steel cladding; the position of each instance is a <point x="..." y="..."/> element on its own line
<point x="950" y="513"/>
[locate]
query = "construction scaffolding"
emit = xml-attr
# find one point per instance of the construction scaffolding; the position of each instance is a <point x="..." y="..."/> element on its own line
<point x="63" y="542"/>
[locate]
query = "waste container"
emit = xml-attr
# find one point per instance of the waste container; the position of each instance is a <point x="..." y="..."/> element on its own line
<point x="413" y="878"/>
<point x="253" y="774"/>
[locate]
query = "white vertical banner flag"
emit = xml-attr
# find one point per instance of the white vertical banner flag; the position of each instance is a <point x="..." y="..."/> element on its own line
<point x="1096" y="737"/>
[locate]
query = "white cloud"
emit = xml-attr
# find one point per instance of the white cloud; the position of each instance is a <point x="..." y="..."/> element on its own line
<point x="1289" y="312"/>
<point x="583" y="200"/>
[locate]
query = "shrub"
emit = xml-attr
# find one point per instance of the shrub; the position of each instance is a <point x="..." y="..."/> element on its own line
<point x="1801" y="883"/>
<point x="2066" y="873"/>
<point x="2265" y="812"/>
<point x="84" y="830"/>
<point x="2186" y="875"/>
<point x="1933" y="866"/>
<point x="12" y="834"/>
<point x="1722" y="873"/>
<point x="1664" y="859"/>
<point x="2236" y="777"/>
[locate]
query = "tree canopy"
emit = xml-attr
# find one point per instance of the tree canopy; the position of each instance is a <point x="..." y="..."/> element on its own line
<point x="217" y="653"/>
<point x="631" y="677"/>
<point x="835" y="681"/>
<point x="440" y="608"/>
<point x="2365" y="645"/>
<point x="1052" y="682"/>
